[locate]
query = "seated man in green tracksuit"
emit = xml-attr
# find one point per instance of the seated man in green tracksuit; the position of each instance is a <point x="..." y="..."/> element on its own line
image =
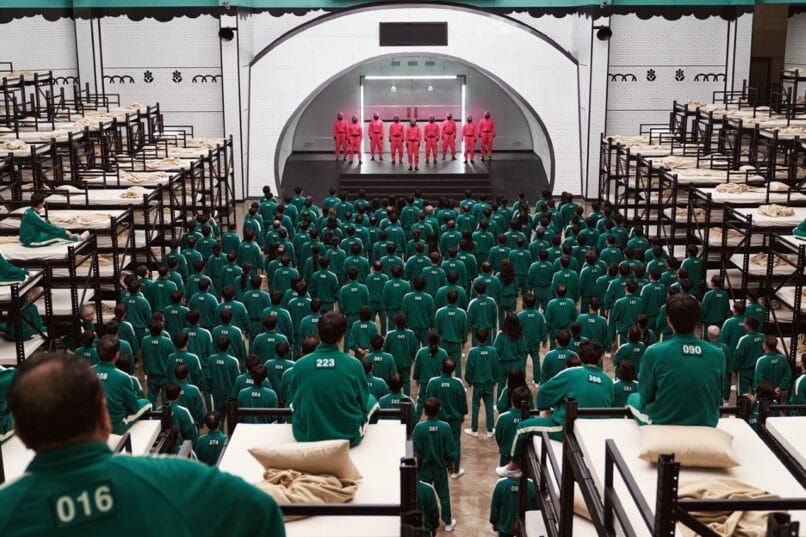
<point x="505" y="505"/>
<point x="588" y="384"/>
<point x="681" y="379"/>
<point x="37" y="231"/>
<point x="436" y="454"/>
<point x="329" y="388"/>
<point x="76" y="486"/>
<point x="121" y="399"/>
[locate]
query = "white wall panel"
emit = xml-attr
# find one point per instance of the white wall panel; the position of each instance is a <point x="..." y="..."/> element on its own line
<point x="35" y="43"/>
<point x="796" y="42"/>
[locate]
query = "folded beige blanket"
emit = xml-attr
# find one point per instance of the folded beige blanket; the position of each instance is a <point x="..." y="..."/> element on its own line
<point x="134" y="192"/>
<point x="735" y="188"/>
<point x="291" y="486"/>
<point x="736" y="523"/>
<point x="143" y="177"/>
<point x="170" y="162"/>
<point x="775" y="210"/>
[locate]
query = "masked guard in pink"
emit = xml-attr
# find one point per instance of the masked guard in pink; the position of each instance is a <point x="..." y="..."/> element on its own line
<point x="396" y="135"/>
<point x="449" y="137"/>
<point x="375" y="131"/>
<point x="413" y="139"/>
<point x="469" y="135"/>
<point x="355" y="133"/>
<point x="340" y="136"/>
<point x="487" y="133"/>
<point x="431" y="132"/>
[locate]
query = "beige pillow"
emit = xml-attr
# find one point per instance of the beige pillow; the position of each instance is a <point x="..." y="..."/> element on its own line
<point x="330" y="457"/>
<point x="703" y="447"/>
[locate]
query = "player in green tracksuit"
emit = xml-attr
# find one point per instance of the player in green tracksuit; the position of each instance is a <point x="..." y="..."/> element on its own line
<point x="308" y="326"/>
<point x="403" y="345"/>
<point x="36" y="231"/>
<point x="419" y="309"/>
<point x="240" y="316"/>
<point x="715" y="304"/>
<point x="361" y="331"/>
<point x="798" y="395"/>
<point x="450" y="392"/>
<point x="624" y="312"/>
<point x="394" y="289"/>
<point x="427" y="365"/>
<point x="556" y="359"/>
<point x="560" y="313"/>
<point x="695" y="266"/>
<point x="395" y="397"/>
<point x="451" y="322"/>
<point x="482" y="374"/>
<point x="206" y="303"/>
<point x="383" y="363"/>
<point x="75" y="486"/>
<point x="505" y="505"/>
<point x="482" y="312"/>
<point x="567" y="277"/>
<point x="7" y="375"/>
<point x="200" y="341"/>
<point x="626" y="385"/>
<point x="121" y="399"/>
<point x="436" y="451"/>
<point x="162" y="290"/>
<point x="330" y="394"/>
<point x="507" y="423"/>
<point x="352" y="296"/>
<point x="221" y="370"/>
<point x="594" y="326"/>
<point x="511" y="347"/>
<point x="539" y="277"/>
<point x="87" y="350"/>
<point x="773" y="367"/>
<point x="632" y="349"/>
<point x="190" y="395"/>
<point x="376" y="285"/>
<point x="653" y="295"/>
<point x="255" y="301"/>
<point x="733" y="328"/>
<point x="324" y="285"/>
<point x="257" y="396"/>
<point x="681" y="379"/>
<point x="428" y="506"/>
<point x="588" y="384"/>
<point x="237" y="348"/>
<point x="535" y="332"/>
<point x="277" y="366"/>
<point x="208" y="447"/>
<point x="176" y="315"/>
<point x="748" y="349"/>
<point x="138" y="310"/>
<point x="156" y="349"/>
<point x="182" y="419"/>
<point x="441" y="299"/>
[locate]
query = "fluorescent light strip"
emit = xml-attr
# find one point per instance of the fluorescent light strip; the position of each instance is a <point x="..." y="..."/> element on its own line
<point x="361" y="114"/>
<point x="412" y="77"/>
<point x="462" y="119"/>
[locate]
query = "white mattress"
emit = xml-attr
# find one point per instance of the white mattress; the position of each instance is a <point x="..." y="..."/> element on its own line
<point x="8" y="351"/>
<point x="5" y="288"/>
<point x="790" y="431"/>
<point x="787" y="296"/>
<point x="650" y="151"/>
<point x="142" y="179"/>
<point x="144" y="433"/>
<point x="782" y="123"/>
<point x="105" y="270"/>
<point x="62" y="303"/>
<point x="759" y="220"/>
<point x="24" y="153"/>
<point x="716" y="217"/>
<point x="69" y="218"/>
<point x="759" y="197"/>
<point x="684" y="178"/>
<point x="166" y="167"/>
<point x="761" y="270"/>
<point x="109" y="196"/>
<point x="758" y="466"/>
<point x="792" y="240"/>
<point x="716" y="240"/>
<point x="377" y="458"/>
<point x="54" y="252"/>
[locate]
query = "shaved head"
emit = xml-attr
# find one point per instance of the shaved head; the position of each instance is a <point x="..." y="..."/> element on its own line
<point x="58" y="401"/>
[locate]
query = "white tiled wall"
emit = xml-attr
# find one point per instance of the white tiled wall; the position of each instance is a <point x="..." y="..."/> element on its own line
<point x="543" y="76"/>
<point x="176" y="63"/>
<point x="656" y="61"/>
<point x="796" y="42"/>
<point x="35" y="43"/>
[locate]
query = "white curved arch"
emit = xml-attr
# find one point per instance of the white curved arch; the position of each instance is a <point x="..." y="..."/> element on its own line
<point x="299" y="64"/>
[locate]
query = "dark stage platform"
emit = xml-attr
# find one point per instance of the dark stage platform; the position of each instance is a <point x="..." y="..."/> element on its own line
<point x="506" y="175"/>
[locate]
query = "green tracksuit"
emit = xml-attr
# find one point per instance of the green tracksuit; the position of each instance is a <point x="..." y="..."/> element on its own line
<point x="535" y="333"/>
<point x="450" y="391"/>
<point x="309" y="326"/>
<point x="508" y="297"/>
<point x="798" y="395"/>
<point x="539" y="280"/>
<point x="161" y="292"/>
<point x="622" y="390"/>
<point x="156" y="352"/>
<point x="482" y="374"/>
<point x="193" y="363"/>
<point x="616" y="289"/>
<point x="732" y="332"/>
<point x="376" y="387"/>
<point x="511" y="353"/>
<point x="383" y="364"/>
<point x="631" y="351"/>
<point x="594" y="327"/>
<point x="7" y="374"/>
<point x="36" y="231"/>
<point x="236" y="348"/>
<point x="695" y="267"/>
<point x="360" y="335"/>
<point x="324" y="285"/>
<point x="426" y="367"/>
<point x="394" y="290"/>
<point x="505" y="505"/>
<point x="653" y="295"/>
<point x="587" y="281"/>
<point x="206" y="303"/>
<point x="221" y="370"/>
<point x="427" y="505"/>
<point x="553" y="362"/>
<point x="451" y="323"/>
<point x="86" y="490"/>
<point x="749" y="348"/>
<point x="329" y="396"/>
<point x="183" y="421"/>
<point x="441" y="300"/>
<point x="623" y="315"/>
<point x="244" y="380"/>
<point x="249" y="252"/>
<point x="121" y="399"/>
<point x="275" y="369"/>
<point x="403" y="346"/>
<point x="191" y="398"/>
<point x="138" y="312"/>
<point x="570" y="279"/>
<point x="560" y="313"/>
<point x="89" y="354"/>
<point x="240" y="316"/>
<point x="257" y="397"/>
<point x="680" y="383"/>
<point x="482" y="312"/>
<point x="419" y="309"/>
<point x="434" y="445"/>
<point x="588" y="384"/>
<point x="352" y="296"/>
<point x="759" y="312"/>
<point x="175" y="318"/>
<point x="255" y="301"/>
<point x="392" y="400"/>
<point x="209" y="446"/>
<point x="715" y="307"/>
<point x="775" y="369"/>
<point x="265" y="345"/>
<point x="505" y="428"/>
<point x="284" y="324"/>
<point x="200" y="342"/>
<point x="434" y="279"/>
